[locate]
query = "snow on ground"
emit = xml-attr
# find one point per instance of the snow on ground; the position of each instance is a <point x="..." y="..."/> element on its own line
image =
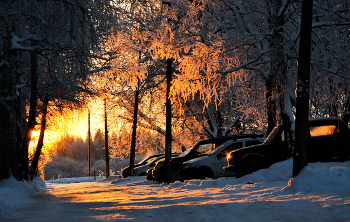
<point x="320" y="193"/>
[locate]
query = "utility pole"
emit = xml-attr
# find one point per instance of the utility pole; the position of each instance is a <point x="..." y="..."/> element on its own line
<point x="302" y="131"/>
<point x="89" y="138"/>
<point x="168" y="139"/>
<point x="106" y="139"/>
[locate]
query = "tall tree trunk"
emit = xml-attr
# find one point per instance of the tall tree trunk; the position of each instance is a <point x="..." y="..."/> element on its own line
<point x="134" y="128"/>
<point x="8" y="154"/>
<point x="34" y="165"/>
<point x="280" y="73"/>
<point x="302" y="131"/>
<point x="333" y="106"/>
<point x="271" y="104"/>
<point x="277" y="80"/>
<point x="168" y="137"/>
<point x="32" y="115"/>
<point x="346" y="116"/>
<point x="288" y="120"/>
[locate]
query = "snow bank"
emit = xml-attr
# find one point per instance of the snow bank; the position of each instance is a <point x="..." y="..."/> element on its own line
<point x="314" y="177"/>
<point x="271" y="185"/>
<point x="14" y="193"/>
<point x="321" y="176"/>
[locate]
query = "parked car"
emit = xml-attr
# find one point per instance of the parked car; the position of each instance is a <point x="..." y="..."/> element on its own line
<point x="329" y="141"/>
<point x="201" y="148"/>
<point x="141" y="170"/>
<point x="211" y="165"/>
<point x="149" y="175"/>
<point x="126" y="171"/>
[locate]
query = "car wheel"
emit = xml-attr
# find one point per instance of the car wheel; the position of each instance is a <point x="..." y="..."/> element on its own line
<point x="250" y="166"/>
<point x="204" y="173"/>
<point x="174" y="176"/>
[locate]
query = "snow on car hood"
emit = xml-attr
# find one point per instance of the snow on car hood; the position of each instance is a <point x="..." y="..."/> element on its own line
<point x="195" y="159"/>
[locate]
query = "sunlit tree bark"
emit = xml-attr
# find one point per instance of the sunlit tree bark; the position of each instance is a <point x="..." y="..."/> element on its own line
<point x="34" y="163"/>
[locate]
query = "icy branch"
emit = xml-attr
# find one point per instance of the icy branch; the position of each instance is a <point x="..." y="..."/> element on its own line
<point x="329" y="23"/>
<point x="233" y="123"/>
<point x="246" y="64"/>
<point x="16" y="44"/>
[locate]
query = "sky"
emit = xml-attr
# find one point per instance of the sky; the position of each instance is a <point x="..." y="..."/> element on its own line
<point x="319" y="193"/>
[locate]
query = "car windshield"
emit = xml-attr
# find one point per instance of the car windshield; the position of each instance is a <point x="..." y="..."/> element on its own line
<point x="188" y="150"/>
<point x="199" y="150"/>
<point x="222" y="145"/>
<point x="147" y="160"/>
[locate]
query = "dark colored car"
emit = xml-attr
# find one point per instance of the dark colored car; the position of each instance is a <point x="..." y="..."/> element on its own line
<point x="149" y="174"/>
<point x="141" y="170"/>
<point x="126" y="171"/>
<point x="201" y="148"/>
<point x="329" y="141"/>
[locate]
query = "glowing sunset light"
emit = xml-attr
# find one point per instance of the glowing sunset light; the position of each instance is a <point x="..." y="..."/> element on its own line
<point x="33" y="141"/>
<point x="49" y="138"/>
<point x="79" y="125"/>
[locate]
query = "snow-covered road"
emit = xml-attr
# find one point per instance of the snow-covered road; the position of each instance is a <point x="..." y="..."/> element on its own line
<point x="321" y="193"/>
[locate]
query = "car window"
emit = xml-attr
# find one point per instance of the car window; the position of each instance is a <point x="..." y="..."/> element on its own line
<point x="205" y="149"/>
<point x="186" y="152"/>
<point x="145" y="161"/>
<point x="325" y="130"/>
<point x="233" y="146"/>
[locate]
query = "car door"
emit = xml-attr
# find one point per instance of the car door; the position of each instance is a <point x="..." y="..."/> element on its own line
<point x="325" y="143"/>
<point x="220" y="159"/>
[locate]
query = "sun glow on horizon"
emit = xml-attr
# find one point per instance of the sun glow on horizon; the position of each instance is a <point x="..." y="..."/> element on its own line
<point x="80" y="125"/>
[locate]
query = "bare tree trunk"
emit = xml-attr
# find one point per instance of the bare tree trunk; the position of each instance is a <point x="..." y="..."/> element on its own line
<point x="288" y="121"/>
<point x="8" y="137"/>
<point x="271" y="105"/>
<point x="346" y="116"/>
<point x="168" y="137"/>
<point x="34" y="165"/>
<point x="134" y="127"/>
<point x="302" y="131"/>
<point x="32" y="115"/>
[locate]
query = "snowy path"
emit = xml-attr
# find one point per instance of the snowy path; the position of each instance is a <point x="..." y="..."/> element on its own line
<point x="224" y="199"/>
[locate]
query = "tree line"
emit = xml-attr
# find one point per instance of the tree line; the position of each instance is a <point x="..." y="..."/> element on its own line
<point x="234" y="67"/>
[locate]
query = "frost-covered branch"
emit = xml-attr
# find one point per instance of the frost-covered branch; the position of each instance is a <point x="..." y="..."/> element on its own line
<point x="247" y="63"/>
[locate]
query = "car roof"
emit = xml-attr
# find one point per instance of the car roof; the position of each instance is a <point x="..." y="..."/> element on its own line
<point x="235" y="141"/>
<point x="233" y="137"/>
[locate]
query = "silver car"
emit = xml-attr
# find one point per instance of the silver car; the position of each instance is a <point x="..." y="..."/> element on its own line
<point x="211" y="165"/>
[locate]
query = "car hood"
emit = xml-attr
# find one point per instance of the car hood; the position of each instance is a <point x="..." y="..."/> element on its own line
<point x="195" y="159"/>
